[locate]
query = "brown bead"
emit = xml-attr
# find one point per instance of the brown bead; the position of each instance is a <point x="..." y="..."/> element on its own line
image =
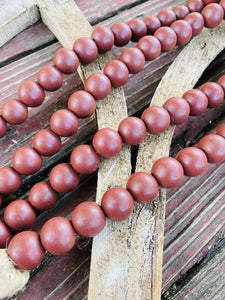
<point x="3" y="127"/>
<point x="193" y="160"/>
<point x="166" y="17"/>
<point x="88" y="219"/>
<point x="214" y="93"/>
<point x="210" y="1"/>
<point x="25" y="250"/>
<point x="42" y="196"/>
<point x="104" y="38"/>
<point x="46" y="142"/>
<point x="98" y="85"/>
<point x="221" y="82"/>
<point x="82" y="104"/>
<point x="107" y="142"/>
<point x="134" y="59"/>
<point x="183" y="31"/>
<point x="178" y="109"/>
<point x="26" y="160"/>
<point x="195" y="5"/>
<point x="213" y="15"/>
<point x="10" y="180"/>
<point x="196" y="21"/>
<point x="117" y="72"/>
<point x="167" y="38"/>
<point x="150" y="46"/>
<point x="143" y="187"/>
<point x="66" y="60"/>
<point x="64" y="123"/>
<point x="50" y="78"/>
<point x="63" y="178"/>
<point x="117" y="203"/>
<point x="86" y="49"/>
<point x="181" y="11"/>
<point x="214" y="147"/>
<point x="197" y="101"/>
<point x="168" y="172"/>
<point x="221" y="131"/>
<point x="84" y="159"/>
<point x="5" y="235"/>
<point x="222" y="3"/>
<point x="122" y="33"/>
<point x="138" y="28"/>
<point x="14" y="111"/>
<point x="156" y="119"/>
<point x="132" y="130"/>
<point x="31" y="94"/>
<point x="19" y="215"/>
<point x="152" y="23"/>
<point x="57" y="236"/>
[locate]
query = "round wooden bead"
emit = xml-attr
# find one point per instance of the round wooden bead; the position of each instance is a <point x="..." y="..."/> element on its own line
<point x="221" y="82"/>
<point x="168" y="172"/>
<point x="196" y="21"/>
<point x="143" y="187"/>
<point x="222" y="3"/>
<point x="107" y="142"/>
<point x="88" y="219"/>
<point x="152" y="23"/>
<point x="104" y="38"/>
<point x="122" y="33"/>
<point x="63" y="178"/>
<point x="134" y="59"/>
<point x="197" y="101"/>
<point x="14" y="111"/>
<point x="58" y="236"/>
<point x="31" y="93"/>
<point x="5" y="235"/>
<point x="150" y="46"/>
<point x="214" y="93"/>
<point x="84" y="159"/>
<point x="66" y="60"/>
<point x="214" y="147"/>
<point x="26" y="161"/>
<point x="193" y="160"/>
<point x="156" y="119"/>
<point x="195" y="5"/>
<point x="46" y="142"/>
<point x="178" y="109"/>
<point x="64" y="123"/>
<point x="181" y="11"/>
<point x="19" y="215"/>
<point x="221" y="131"/>
<point x="3" y="127"/>
<point x="117" y="203"/>
<point x="82" y="104"/>
<point x="132" y="130"/>
<point x="117" y="72"/>
<point x="183" y="31"/>
<point x="86" y="49"/>
<point x="42" y="196"/>
<point x="98" y="85"/>
<point x="213" y="15"/>
<point x="25" y="250"/>
<point x="10" y="180"/>
<point x="166" y="17"/>
<point x="210" y="1"/>
<point x="50" y="78"/>
<point x="167" y="38"/>
<point x="138" y="28"/>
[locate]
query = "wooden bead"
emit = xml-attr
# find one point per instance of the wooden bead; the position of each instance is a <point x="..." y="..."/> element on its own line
<point x="98" y="85"/>
<point x="82" y="104"/>
<point x="46" y="142"/>
<point x="152" y="23"/>
<point x="150" y="46"/>
<point x="5" y="234"/>
<point x="138" y="28"/>
<point x="166" y="17"/>
<point x="64" y="123"/>
<point x="195" y="5"/>
<point x="3" y="127"/>
<point x="134" y="59"/>
<point x="213" y="15"/>
<point x="10" y="180"/>
<point x="196" y="21"/>
<point x="197" y="101"/>
<point x="178" y="109"/>
<point x="117" y="72"/>
<point x="50" y="78"/>
<point x="132" y="130"/>
<point x="86" y="49"/>
<point x="156" y="119"/>
<point x="122" y="33"/>
<point x="31" y="93"/>
<point x="214" y="147"/>
<point x="14" y="111"/>
<point x="183" y="31"/>
<point x="104" y="38"/>
<point x="214" y="93"/>
<point x="66" y="60"/>
<point x="181" y="11"/>
<point x="167" y="38"/>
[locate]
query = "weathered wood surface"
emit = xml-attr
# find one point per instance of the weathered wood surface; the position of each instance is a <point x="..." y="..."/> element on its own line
<point x="72" y="270"/>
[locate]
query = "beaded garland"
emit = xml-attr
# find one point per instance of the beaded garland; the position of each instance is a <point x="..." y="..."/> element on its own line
<point x="211" y="94"/>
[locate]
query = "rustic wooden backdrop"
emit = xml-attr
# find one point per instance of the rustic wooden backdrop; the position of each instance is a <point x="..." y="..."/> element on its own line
<point x="194" y="249"/>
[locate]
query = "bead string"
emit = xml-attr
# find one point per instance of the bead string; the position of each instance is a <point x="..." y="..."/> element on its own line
<point x="182" y="121"/>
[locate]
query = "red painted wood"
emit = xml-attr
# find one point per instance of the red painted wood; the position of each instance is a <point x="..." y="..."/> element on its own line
<point x="202" y="217"/>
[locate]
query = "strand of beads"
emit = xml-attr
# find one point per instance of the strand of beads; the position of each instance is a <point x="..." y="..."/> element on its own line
<point x="27" y="160"/>
<point x="49" y="78"/>
<point x="20" y="214"/>
<point x="58" y="235"/>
